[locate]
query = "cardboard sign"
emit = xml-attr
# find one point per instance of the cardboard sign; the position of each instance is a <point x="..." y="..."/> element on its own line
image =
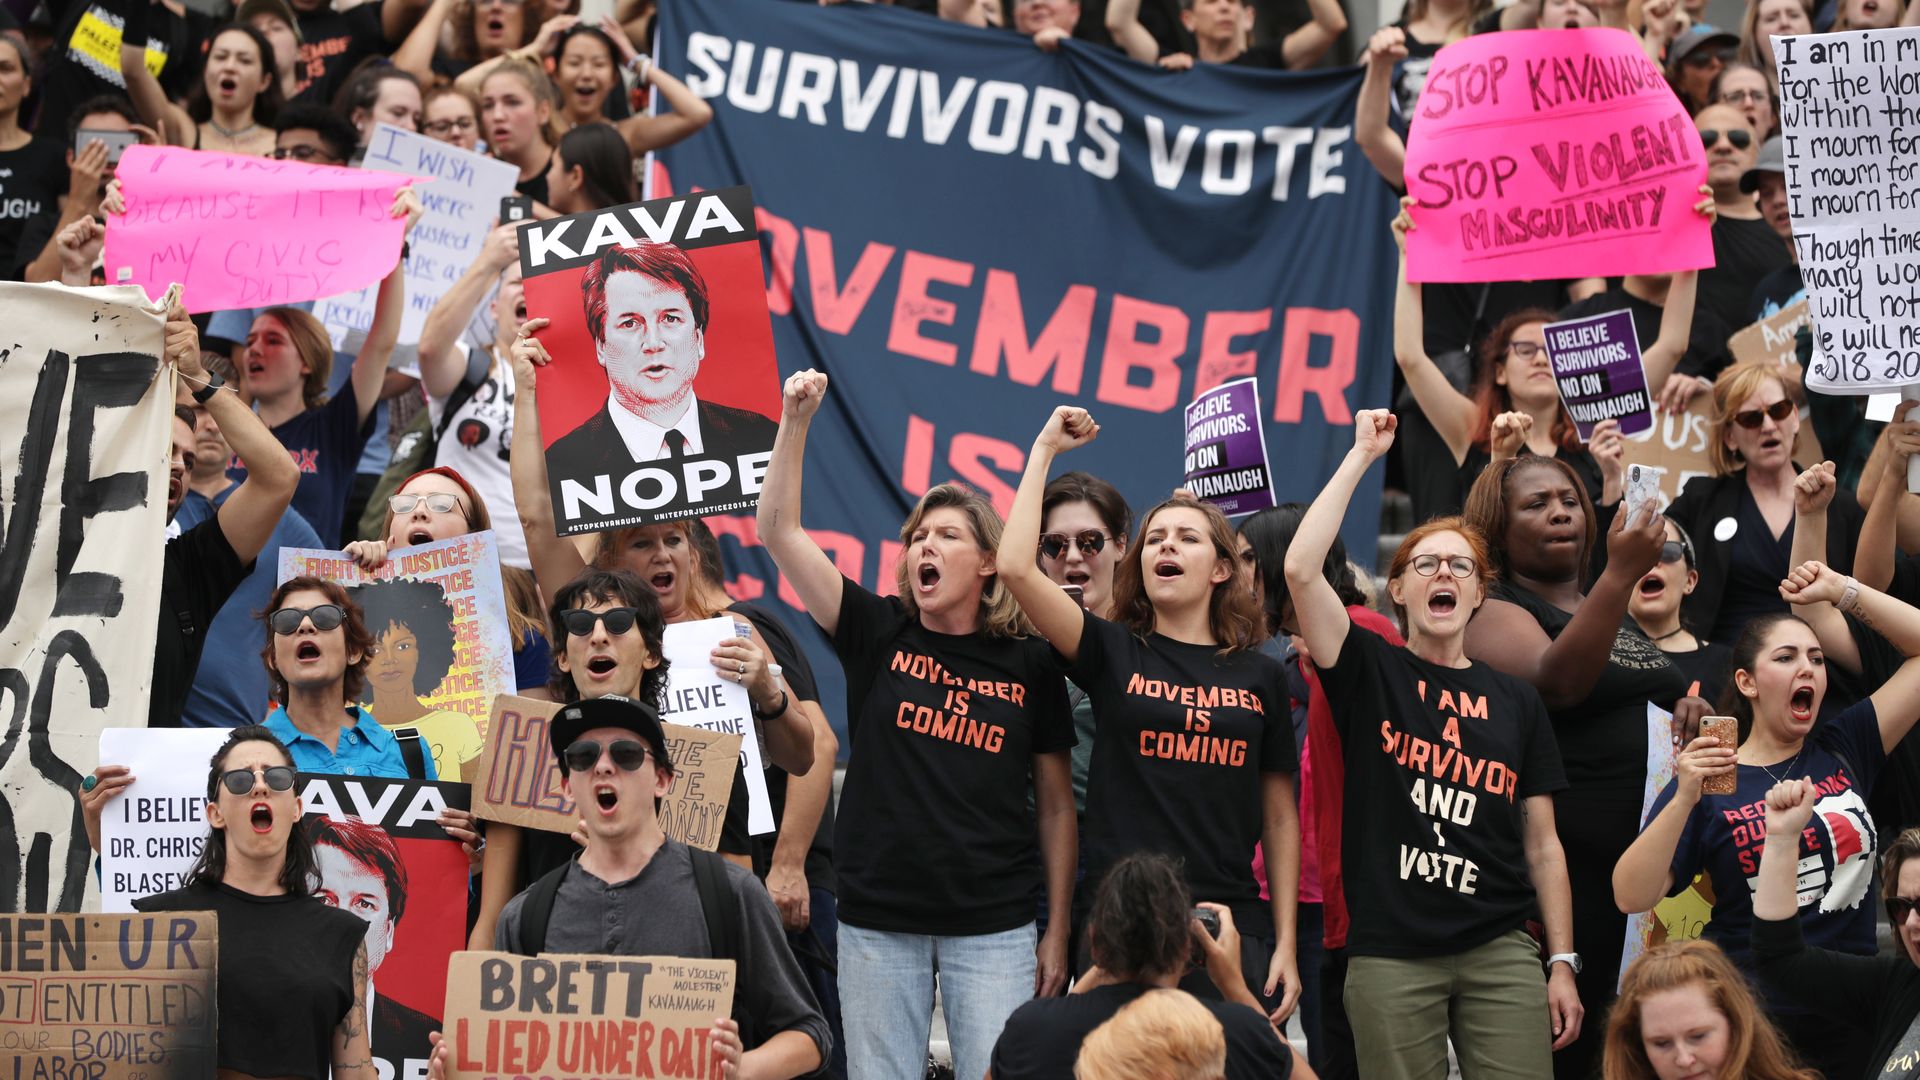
<point x="1846" y="103"/>
<point x="1596" y="361"/>
<point x="1226" y="449"/>
<point x="439" y="614"/>
<point x="152" y="833"/>
<point x="1533" y="152"/>
<point x="697" y="695"/>
<point x="247" y="232"/>
<point x="1771" y="340"/>
<point x="517" y="779"/>
<point x="462" y="199"/>
<point x="108" y="997"/>
<point x="580" y="1017"/>
<point x="663" y="398"/>
<point x="83" y="480"/>
<point x="1677" y="442"/>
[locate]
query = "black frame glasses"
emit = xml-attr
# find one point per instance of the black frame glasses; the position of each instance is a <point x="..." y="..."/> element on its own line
<point x="1455" y="563"/>
<point x="579" y="621"/>
<point x="1090" y="541"/>
<point x="583" y="754"/>
<point x="287" y="620"/>
<point x="240" y="781"/>
<point x="1751" y="419"/>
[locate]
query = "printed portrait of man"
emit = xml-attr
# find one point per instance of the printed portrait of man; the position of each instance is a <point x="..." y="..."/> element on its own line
<point x="361" y="872"/>
<point x="647" y="310"/>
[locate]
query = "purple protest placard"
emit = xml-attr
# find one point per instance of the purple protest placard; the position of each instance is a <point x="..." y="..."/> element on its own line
<point x="1596" y="361"/>
<point x="1226" y="461"/>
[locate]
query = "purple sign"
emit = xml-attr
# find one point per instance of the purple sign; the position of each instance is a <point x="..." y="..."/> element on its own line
<point x="1596" y="361"/>
<point x="1226" y="461"/>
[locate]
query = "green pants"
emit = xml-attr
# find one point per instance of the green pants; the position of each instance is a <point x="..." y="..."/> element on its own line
<point x="1492" y="1000"/>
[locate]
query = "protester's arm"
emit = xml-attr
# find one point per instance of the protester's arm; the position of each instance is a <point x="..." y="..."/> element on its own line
<point x="806" y="567"/>
<point x="1547" y="869"/>
<point x="1123" y="22"/>
<point x="787" y="735"/>
<point x="806" y="802"/>
<point x="1449" y="411"/>
<point x="1280" y="842"/>
<point x="1813" y="491"/>
<point x="149" y="99"/>
<point x="415" y="54"/>
<point x="1323" y="619"/>
<point x="555" y="560"/>
<point x="1059" y="855"/>
<point x="441" y="366"/>
<point x="1874" y="551"/>
<point x="1886" y="458"/>
<point x="249" y="515"/>
<point x="1221" y="952"/>
<point x="1304" y="47"/>
<point x="499" y="880"/>
<point x="1676" y="329"/>
<point x="79" y="244"/>
<point x="1055" y="614"/>
<point x="83" y="201"/>
<point x="399" y="18"/>
<point x="1789" y="804"/>
<point x="1897" y="702"/>
<point x="534" y="52"/>
<point x="1644" y="873"/>
<point x="370" y="367"/>
<point x="1382" y="145"/>
<point x="689" y="112"/>
<point x="352" y="1052"/>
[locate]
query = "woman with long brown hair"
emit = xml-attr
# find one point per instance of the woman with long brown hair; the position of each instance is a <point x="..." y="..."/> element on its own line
<point x="1686" y="1013"/>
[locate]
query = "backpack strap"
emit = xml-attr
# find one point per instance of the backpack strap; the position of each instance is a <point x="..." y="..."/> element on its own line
<point x="478" y="361"/>
<point x="538" y="910"/>
<point x="717" y="903"/>
<point x="411" y="752"/>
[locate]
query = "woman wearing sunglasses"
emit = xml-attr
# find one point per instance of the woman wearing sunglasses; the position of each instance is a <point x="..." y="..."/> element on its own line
<point x="1205" y="782"/>
<point x="1655" y="607"/>
<point x="1743" y="514"/>
<point x="292" y="993"/>
<point x="1455" y="765"/>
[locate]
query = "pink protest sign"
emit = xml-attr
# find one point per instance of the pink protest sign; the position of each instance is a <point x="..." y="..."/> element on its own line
<point x="1552" y="154"/>
<point x="244" y="232"/>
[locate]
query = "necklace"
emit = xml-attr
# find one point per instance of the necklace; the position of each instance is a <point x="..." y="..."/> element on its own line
<point x="1668" y="634"/>
<point x="1790" y="765"/>
<point x="233" y="133"/>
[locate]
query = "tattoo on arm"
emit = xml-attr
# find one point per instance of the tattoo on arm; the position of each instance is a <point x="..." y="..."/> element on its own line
<point x="354" y="1024"/>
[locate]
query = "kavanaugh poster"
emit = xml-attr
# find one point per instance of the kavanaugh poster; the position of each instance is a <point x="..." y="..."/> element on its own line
<point x="964" y="232"/>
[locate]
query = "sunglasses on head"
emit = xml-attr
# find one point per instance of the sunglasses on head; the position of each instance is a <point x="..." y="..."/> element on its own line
<point x="1054" y="545"/>
<point x="240" y="781"/>
<point x="438" y="502"/>
<point x="584" y="754"/>
<point x="579" y="621"/>
<point x="1777" y="411"/>
<point x="287" y="620"/>
<point x="1899" y="907"/>
<point x="1741" y="138"/>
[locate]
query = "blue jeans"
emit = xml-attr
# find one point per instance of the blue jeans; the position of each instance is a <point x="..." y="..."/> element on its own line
<point x="886" y="997"/>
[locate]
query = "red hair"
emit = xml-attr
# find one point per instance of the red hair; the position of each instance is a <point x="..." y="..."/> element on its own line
<point x="1476" y="540"/>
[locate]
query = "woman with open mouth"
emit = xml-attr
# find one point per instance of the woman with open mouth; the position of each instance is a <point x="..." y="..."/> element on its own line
<point x="1206" y="786"/>
<point x="1596" y="675"/>
<point x="1778" y="685"/>
<point x="1655" y="607"/>
<point x="1456" y="766"/>
<point x="952" y="705"/>
<point x="233" y="106"/>
<point x="587" y="66"/>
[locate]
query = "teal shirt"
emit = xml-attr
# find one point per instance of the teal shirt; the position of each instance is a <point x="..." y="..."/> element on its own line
<point x="366" y="749"/>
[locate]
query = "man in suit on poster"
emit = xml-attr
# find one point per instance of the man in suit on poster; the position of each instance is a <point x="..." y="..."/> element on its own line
<point x="647" y="312"/>
<point x="361" y="872"/>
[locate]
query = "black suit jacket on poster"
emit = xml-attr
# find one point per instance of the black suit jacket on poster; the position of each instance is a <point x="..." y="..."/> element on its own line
<point x="595" y="447"/>
<point x="399" y="1032"/>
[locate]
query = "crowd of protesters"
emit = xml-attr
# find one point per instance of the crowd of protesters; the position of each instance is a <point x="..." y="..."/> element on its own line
<point x="1422" y="838"/>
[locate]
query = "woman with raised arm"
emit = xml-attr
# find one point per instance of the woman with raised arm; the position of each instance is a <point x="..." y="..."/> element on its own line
<point x="951" y="703"/>
<point x="1779" y="681"/>
<point x="1205" y="783"/>
<point x="1449" y="837"/>
<point x="232" y="108"/>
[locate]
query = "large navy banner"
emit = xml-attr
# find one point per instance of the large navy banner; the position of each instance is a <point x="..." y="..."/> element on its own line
<point x="964" y="231"/>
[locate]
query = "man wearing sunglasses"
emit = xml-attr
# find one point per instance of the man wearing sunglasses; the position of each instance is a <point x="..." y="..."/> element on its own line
<point x="1745" y="247"/>
<point x="634" y="892"/>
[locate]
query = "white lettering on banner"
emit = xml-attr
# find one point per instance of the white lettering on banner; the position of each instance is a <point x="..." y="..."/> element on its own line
<point x="1040" y="123"/>
<point x="549" y="241"/>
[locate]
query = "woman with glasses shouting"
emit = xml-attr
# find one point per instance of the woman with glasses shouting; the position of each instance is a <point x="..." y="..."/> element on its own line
<point x="1449" y="841"/>
<point x="1193" y="752"/>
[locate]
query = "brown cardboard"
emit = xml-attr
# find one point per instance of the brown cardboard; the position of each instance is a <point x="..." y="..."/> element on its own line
<point x="516" y="778"/>
<point x="1771" y="339"/>
<point x="562" y="1017"/>
<point x="1678" y="444"/>
<point x="108" y="997"/>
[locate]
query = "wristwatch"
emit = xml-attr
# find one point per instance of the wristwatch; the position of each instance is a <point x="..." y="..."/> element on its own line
<point x="204" y="394"/>
<point x="1571" y="959"/>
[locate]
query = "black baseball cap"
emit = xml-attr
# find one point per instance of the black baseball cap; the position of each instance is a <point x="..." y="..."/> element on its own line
<point x="609" y="711"/>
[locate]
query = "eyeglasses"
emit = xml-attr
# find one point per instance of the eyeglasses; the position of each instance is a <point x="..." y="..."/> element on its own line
<point x="1458" y="566"/>
<point x="618" y="620"/>
<point x="1673" y="551"/>
<point x="287" y="620"/>
<point x="1777" y="411"/>
<point x="1741" y="138"/>
<point x="1899" y="907"/>
<point x="1524" y="350"/>
<point x="1054" y="545"/>
<point x="1700" y="58"/>
<point x="1737" y="97"/>
<point x="583" y="755"/>
<point x="447" y="127"/>
<point x="438" y="502"/>
<point x="302" y="153"/>
<point x="240" y="781"/>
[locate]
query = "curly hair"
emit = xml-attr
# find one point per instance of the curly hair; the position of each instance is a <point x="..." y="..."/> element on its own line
<point x="353" y="627"/>
<point x="1233" y="615"/>
<point x="621" y="588"/>
<point x="1139" y="920"/>
<point x="419" y="606"/>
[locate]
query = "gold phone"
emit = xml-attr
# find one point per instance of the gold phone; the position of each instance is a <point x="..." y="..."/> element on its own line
<point x="1727" y="730"/>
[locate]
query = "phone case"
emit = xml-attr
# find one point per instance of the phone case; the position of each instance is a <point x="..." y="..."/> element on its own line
<point x="1727" y="730"/>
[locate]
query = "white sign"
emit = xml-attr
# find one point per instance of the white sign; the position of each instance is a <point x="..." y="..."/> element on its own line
<point x="462" y="200"/>
<point x="151" y="834"/>
<point x="698" y="697"/>
<point x="1849" y="110"/>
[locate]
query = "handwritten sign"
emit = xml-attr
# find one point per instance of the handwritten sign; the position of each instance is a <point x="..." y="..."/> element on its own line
<point x="153" y="831"/>
<point x="1849" y="104"/>
<point x="446" y="601"/>
<point x="576" y="1017"/>
<point x="1539" y="153"/>
<point x="1596" y="361"/>
<point x="517" y="778"/>
<point x="698" y="696"/>
<point x="246" y="232"/>
<point x="108" y="997"/>
<point x="461" y="200"/>
<point x="1772" y="339"/>
<point x="1226" y="449"/>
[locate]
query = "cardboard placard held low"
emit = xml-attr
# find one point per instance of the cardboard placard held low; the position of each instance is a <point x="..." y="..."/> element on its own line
<point x="516" y="779"/>
<point x="108" y="997"/>
<point x="567" y="1017"/>
<point x="1677" y="442"/>
<point x="1772" y="338"/>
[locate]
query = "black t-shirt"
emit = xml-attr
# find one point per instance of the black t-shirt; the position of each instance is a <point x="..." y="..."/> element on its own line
<point x="1710" y="665"/>
<point x="1042" y="1038"/>
<point x="1448" y="310"/>
<point x="86" y="56"/>
<point x="1603" y="739"/>
<point x="1775" y="291"/>
<point x="1182" y="738"/>
<point x="799" y="675"/>
<point x="332" y="43"/>
<point x="32" y="179"/>
<point x="1438" y="760"/>
<point x="934" y="835"/>
<point x="285" y="978"/>
<point x="198" y="572"/>
<point x="1744" y="251"/>
<point x="1706" y="340"/>
<point x="535" y="186"/>
<point x="1269" y="56"/>
<point x="1756" y="561"/>
<point x="1410" y="76"/>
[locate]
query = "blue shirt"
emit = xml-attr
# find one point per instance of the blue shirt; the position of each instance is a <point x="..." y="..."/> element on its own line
<point x="234" y="325"/>
<point x="366" y="749"/>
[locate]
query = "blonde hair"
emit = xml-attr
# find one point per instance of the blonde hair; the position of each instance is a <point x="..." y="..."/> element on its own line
<point x="1755" y="51"/>
<point x="539" y="84"/>
<point x="309" y="338"/>
<point x="1734" y="386"/>
<point x="703" y="601"/>
<point x="1161" y="1035"/>
<point x="1000" y="614"/>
